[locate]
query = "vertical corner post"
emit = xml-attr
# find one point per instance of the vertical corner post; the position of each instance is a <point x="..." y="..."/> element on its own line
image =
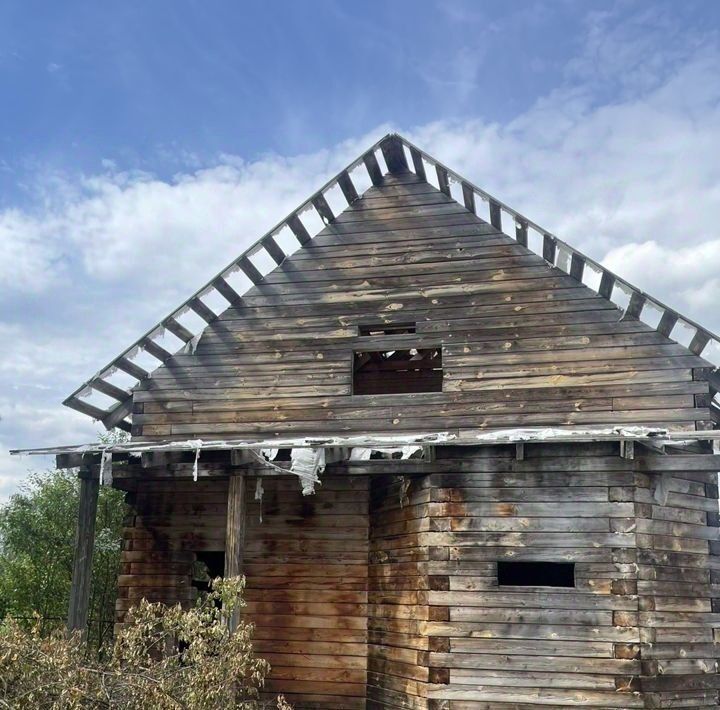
<point x="235" y="535"/>
<point x="84" y="546"/>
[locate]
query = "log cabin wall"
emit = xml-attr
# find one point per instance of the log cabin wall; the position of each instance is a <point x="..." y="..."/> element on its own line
<point x="306" y="569"/>
<point x="678" y="543"/>
<point x="398" y="671"/>
<point x="639" y="627"/>
<point x="523" y="343"/>
<point x="382" y="591"/>
<point x="168" y="522"/>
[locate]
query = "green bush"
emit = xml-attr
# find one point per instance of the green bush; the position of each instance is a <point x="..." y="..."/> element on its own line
<point x="163" y="657"/>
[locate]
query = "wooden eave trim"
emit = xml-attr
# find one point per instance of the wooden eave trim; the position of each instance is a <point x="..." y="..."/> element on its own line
<point x="393" y="147"/>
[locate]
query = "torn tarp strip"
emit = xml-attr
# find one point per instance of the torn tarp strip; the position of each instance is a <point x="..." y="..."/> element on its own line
<point x="106" y="468"/>
<point x="197" y="445"/>
<point x="307" y="464"/>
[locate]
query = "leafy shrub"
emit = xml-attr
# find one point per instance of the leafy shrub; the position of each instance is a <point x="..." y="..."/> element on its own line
<point x="163" y="657"/>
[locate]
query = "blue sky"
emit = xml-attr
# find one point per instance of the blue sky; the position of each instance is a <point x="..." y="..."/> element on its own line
<point x="174" y="133"/>
<point x="153" y="84"/>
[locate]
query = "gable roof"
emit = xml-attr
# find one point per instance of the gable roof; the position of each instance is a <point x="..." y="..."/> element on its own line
<point x="396" y="155"/>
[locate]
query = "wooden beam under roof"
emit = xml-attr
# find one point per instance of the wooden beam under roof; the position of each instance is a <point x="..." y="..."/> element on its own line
<point x="394" y="154"/>
<point x="206" y="313"/>
<point x="373" y="168"/>
<point x="129" y="367"/>
<point x="116" y="416"/>
<point x="393" y="147"/>
<point x="110" y="389"/>
<point x="298" y="229"/>
<point x="348" y="187"/>
<point x="273" y="248"/>
<point x="323" y="208"/>
<point x="249" y="269"/>
<point x="177" y="329"/>
<point x="157" y="351"/>
<point x="226" y="290"/>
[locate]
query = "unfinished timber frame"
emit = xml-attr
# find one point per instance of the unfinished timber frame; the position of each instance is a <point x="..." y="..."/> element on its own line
<point x="462" y="465"/>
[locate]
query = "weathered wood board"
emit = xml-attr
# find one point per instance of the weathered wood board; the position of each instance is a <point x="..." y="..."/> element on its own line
<point x="523" y="343"/>
<point x="382" y="591"/>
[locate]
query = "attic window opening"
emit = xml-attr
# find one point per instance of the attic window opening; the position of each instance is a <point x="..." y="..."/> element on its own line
<point x="536" y="574"/>
<point x="397" y="371"/>
<point x="386" y="329"/>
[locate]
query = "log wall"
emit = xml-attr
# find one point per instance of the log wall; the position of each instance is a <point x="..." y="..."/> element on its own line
<point x="381" y="591"/>
<point x="637" y="628"/>
<point x="306" y="569"/>
<point x="523" y="343"/>
<point x="306" y="566"/>
<point x="398" y="670"/>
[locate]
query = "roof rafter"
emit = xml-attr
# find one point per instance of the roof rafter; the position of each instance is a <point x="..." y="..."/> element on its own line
<point x="399" y="155"/>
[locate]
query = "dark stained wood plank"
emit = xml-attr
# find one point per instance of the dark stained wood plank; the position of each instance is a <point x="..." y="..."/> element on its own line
<point x="273" y="248"/>
<point x="607" y="284"/>
<point x="521" y="233"/>
<point x="348" y="187"/>
<point x="392" y="150"/>
<point x="577" y="266"/>
<point x="468" y="197"/>
<point x="298" y="229"/>
<point x="177" y="329"/>
<point x="635" y="305"/>
<point x="373" y="168"/>
<point x="202" y="309"/>
<point x="323" y="208"/>
<point x="82" y="558"/>
<point x="250" y="270"/>
<point x="667" y="322"/>
<point x="549" y="248"/>
<point x="443" y="180"/>
<point x="418" y="165"/>
<point x="495" y="215"/>
<point x="157" y="351"/>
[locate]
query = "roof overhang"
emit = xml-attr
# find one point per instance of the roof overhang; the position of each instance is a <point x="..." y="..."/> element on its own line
<point x="393" y="154"/>
<point x="655" y="438"/>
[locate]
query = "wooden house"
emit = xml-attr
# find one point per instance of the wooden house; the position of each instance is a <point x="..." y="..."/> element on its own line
<point x="462" y="465"/>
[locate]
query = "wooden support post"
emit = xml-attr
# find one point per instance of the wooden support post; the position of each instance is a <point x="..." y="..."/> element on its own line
<point x="468" y="196"/>
<point x="607" y="284"/>
<point x="235" y="535"/>
<point x="549" y="248"/>
<point x="84" y="545"/>
<point x="667" y="323"/>
<point x="418" y="164"/>
<point x="443" y="179"/>
<point x="495" y="215"/>
<point x="577" y="266"/>
<point x="521" y="233"/>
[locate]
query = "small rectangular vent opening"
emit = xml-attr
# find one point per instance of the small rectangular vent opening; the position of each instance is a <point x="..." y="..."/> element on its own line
<point x="536" y="574"/>
<point x="386" y="329"/>
<point x="397" y="371"/>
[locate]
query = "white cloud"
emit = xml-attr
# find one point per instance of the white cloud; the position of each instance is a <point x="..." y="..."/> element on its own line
<point x="633" y="181"/>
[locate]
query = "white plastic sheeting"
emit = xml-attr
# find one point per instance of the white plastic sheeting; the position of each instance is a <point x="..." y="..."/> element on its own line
<point x="307" y="465"/>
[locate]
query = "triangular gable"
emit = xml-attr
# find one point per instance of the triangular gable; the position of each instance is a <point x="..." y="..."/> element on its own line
<point x="388" y="160"/>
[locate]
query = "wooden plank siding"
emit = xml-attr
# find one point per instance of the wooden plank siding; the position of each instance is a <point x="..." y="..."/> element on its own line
<point x="305" y="560"/>
<point x="640" y="628"/>
<point x="398" y="581"/>
<point x="381" y="591"/>
<point x="523" y="343"/>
